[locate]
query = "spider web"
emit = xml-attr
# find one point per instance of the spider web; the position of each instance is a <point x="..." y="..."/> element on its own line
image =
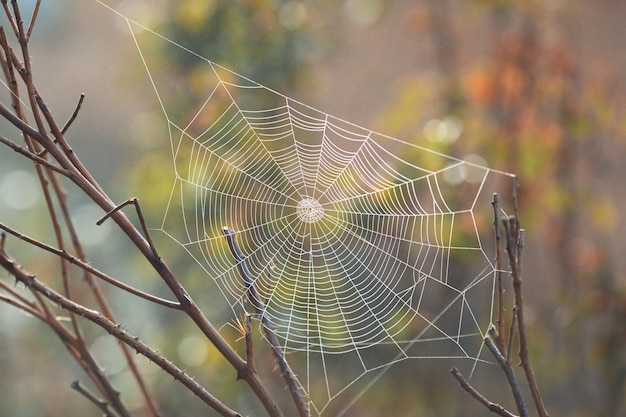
<point x="354" y="238"/>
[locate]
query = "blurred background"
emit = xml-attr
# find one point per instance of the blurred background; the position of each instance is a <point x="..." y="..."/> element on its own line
<point x="535" y="88"/>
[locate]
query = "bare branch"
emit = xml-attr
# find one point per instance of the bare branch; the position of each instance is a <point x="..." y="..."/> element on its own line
<point x="81" y="264"/>
<point x="33" y="19"/>
<point x="512" y="332"/>
<point x="144" y="227"/>
<point x="101" y="404"/>
<point x="512" y="230"/>
<point x="499" y="330"/>
<point x="9" y="15"/>
<point x="74" y="115"/>
<point x="115" y="330"/>
<point x="493" y="407"/>
<point x="510" y="376"/>
<point x="35" y="158"/>
<point x="253" y="295"/>
<point x="270" y="334"/>
<point x="249" y="344"/>
<point x="20" y="304"/>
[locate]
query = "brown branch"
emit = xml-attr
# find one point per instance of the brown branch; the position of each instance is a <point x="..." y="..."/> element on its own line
<point x="80" y="349"/>
<point x="491" y="406"/>
<point x="26" y="69"/>
<point x="26" y="307"/>
<point x="247" y="328"/>
<point x="253" y="295"/>
<point x="59" y="150"/>
<point x="187" y="304"/>
<point x="75" y="344"/>
<point x="90" y="269"/>
<point x="74" y="115"/>
<point x="35" y="157"/>
<point x="499" y="330"/>
<point x="60" y="139"/>
<point x="270" y="333"/>
<point x="100" y="298"/>
<point x="101" y="404"/>
<point x="115" y="330"/>
<point x="510" y="376"/>
<point x="21" y="125"/>
<point x="512" y="332"/>
<point x="142" y="221"/>
<point x="511" y="227"/>
<point x="7" y="11"/>
<point x="33" y="19"/>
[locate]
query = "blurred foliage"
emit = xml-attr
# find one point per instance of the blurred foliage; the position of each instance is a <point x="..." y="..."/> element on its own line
<point x="528" y="105"/>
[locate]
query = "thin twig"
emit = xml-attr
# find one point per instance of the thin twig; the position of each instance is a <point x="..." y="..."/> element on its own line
<point x="247" y="328"/>
<point x="515" y="199"/>
<point x="21" y="125"/>
<point x="493" y="407"/>
<point x="60" y="139"/>
<point x="512" y="237"/>
<point x="33" y="19"/>
<point x="499" y="330"/>
<point x="101" y="404"/>
<point x="520" y="249"/>
<point x="270" y="333"/>
<point x="253" y="295"/>
<point x="81" y="348"/>
<point x="74" y="115"/>
<point x="35" y="157"/>
<point x="74" y="343"/>
<point x="100" y="298"/>
<point x="26" y="69"/>
<point x="510" y="376"/>
<point x="91" y="269"/>
<point x="66" y="158"/>
<point x="19" y="305"/>
<point x="7" y="64"/>
<point x="512" y="332"/>
<point x="144" y="227"/>
<point x="115" y="330"/>
<point x="9" y="15"/>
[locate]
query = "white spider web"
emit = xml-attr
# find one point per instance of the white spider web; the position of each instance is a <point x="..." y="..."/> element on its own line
<point x="353" y="237"/>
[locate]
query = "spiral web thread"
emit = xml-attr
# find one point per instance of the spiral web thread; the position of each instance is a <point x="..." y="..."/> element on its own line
<point x="352" y="237"/>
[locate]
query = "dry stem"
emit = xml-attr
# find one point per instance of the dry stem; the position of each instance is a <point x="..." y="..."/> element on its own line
<point x="270" y="333"/>
<point x="53" y="155"/>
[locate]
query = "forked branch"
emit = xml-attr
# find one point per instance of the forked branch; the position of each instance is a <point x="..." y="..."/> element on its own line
<point x="115" y="329"/>
<point x="502" y="349"/>
<point x="47" y="147"/>
<point x="268" y="328"/>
